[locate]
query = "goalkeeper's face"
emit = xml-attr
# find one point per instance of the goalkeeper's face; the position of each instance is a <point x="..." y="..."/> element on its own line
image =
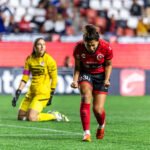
<point x="40" y="47"/>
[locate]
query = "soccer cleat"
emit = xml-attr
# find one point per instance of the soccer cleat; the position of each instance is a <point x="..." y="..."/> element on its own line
<point x="86" y="138"/>
<point x="100" y="132"/>
<point x="59" y="116"/>
<point x="64" y="118"/>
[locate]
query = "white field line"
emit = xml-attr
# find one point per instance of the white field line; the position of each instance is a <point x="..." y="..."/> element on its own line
<point x="36" y="135"/>
<point x="40" y="129"/>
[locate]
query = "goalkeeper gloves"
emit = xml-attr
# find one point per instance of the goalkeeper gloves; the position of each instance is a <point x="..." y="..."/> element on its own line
<point x="51" y="97"/>
<point x="16" y="97"/>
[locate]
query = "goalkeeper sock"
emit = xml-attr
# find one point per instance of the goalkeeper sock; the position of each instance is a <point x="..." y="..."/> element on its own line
<point x="85" y="115"/>
<point x="46" y="117"/>
<point x="100" y="117"/>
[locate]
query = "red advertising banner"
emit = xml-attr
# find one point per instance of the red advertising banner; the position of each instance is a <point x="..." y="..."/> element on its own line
<point x="13" y="54"/>
<point x="131" y="56"/>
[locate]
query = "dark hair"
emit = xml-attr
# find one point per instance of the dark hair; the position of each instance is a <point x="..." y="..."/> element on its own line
<point x="35" y="43"/>
<point x="90" y="33"/>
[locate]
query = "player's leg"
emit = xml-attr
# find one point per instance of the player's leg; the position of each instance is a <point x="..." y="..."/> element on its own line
<point x="99" y="98"/>
<point x="86" y="96"/>
<point x="22" y="113"/>
<point x="35" y="109"/>
<point x="99" y="112"/>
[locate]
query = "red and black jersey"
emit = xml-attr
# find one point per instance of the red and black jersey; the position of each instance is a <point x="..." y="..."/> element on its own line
<point x="93" y="63"/>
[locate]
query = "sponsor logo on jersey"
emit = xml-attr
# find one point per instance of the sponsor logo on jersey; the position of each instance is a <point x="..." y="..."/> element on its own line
<point x="91" y="62"/>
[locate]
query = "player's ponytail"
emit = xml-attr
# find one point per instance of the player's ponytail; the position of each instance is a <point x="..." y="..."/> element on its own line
<point x="90" y="32"/>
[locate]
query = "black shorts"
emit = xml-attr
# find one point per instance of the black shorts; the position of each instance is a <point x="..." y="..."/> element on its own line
<point x="96" y="81"/>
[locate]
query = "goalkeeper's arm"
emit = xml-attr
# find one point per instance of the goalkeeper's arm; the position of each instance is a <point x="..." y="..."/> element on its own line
<point x="18" y="92"/>
<point x="51" y="96"/>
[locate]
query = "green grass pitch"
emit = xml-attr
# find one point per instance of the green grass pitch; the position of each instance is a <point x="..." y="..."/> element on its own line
<point x="127" y="126"/>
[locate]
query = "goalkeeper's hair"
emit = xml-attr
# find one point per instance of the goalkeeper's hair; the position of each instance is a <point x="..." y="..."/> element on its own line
<point x="35" y="43"/>
<point x="90" y="32"/>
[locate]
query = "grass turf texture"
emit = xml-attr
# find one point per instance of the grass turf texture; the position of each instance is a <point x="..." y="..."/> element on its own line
<point x="127" y="128"/>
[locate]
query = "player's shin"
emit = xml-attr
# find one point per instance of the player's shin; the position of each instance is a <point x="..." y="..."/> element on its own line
<point x="85" y="115"/>
<point x="100" y="117"/>
<point x="46" y="117"/>
<point x="85" y="119"/>
<point x="101" y="121"/>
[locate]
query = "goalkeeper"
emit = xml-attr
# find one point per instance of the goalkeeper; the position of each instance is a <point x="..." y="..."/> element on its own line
<point x="42" y="67"/>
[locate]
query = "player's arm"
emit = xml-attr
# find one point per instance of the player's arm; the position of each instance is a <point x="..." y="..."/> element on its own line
<point x="51" y="96"/>
<point x="52" y="69"/>
<point x="108" y="70"/>
<point x="76" y="74"/>
<point x="18" y="92"/>
<point x="25" y="78"/>
<point x="21" y="85"/>
<point x="53" y="75"/>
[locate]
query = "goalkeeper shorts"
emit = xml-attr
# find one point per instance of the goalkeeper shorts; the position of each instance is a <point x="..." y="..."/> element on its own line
<point x="35" y="103"/>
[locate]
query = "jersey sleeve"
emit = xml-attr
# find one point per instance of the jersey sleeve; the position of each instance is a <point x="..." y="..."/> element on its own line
<point x="26" y="71"/>
<point x="109" y="53"/>
<point x="52" y="70"/>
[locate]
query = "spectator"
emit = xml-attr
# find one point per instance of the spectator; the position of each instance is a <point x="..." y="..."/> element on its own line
<point x="146" y="3"/>
<point x="67" y="62"/>
<point x="43" y="4"/>
<point x="24" y="26"/>
<point x="64" y="17"/>
<point x="7" y="19"/>
<point x="147" y="7"/>
<point x="136" y="9"/>
<point x="121" y="26"/>
<point x="141" y="28"/>
<point x="48" y="26"/>
<point x="112" y="25"/>
<point x="2" y="27"/>
<point x="59" y="25"/>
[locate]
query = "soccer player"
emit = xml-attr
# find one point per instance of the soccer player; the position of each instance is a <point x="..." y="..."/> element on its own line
<point x="92" y="72"/>
<point x="43" y="69"/>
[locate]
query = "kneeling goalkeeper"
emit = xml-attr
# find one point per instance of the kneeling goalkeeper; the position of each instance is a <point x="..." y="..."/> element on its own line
<point x="42" y="67"/>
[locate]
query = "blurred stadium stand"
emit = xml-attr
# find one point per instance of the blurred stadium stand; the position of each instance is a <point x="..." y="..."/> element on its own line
<point x="124" y="23"/>
<point x="62" y="20"/>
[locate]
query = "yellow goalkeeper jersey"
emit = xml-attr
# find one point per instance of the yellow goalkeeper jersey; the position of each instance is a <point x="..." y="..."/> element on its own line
<point x="43" y="71"/>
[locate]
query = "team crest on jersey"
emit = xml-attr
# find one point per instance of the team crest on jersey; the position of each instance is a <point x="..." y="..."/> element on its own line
<point x="83" y="55"/>
<point x="100" y="56"/>
<point x="110" y="48"/>
<point x="42" y="63"/>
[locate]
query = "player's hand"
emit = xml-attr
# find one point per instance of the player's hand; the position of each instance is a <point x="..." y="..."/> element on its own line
<point x="107" y="83"/>
<point x="50" y="101"/>
<point x="16" y="97"/>
<point x="74" y="84"/>
<point x="14" y="101"/>
<point x="51" y="98"/>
